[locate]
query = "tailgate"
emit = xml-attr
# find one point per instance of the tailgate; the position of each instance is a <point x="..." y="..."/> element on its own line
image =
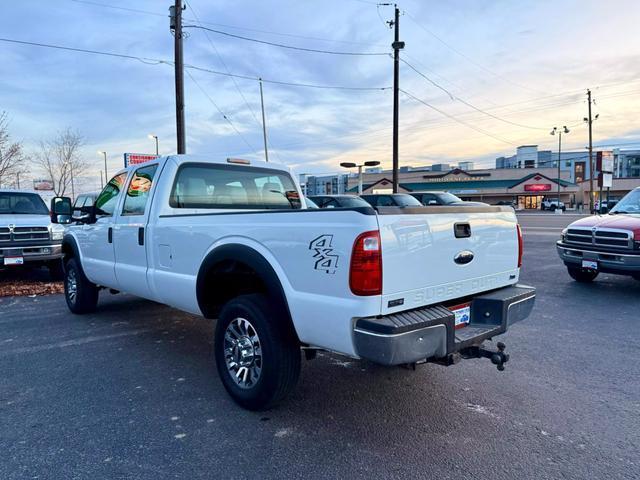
<point x="434" y="254"/>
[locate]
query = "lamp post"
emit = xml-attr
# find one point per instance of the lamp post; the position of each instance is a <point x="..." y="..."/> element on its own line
<point x="154" y="137"/>
<point x="555" y="130"/>
<point x="106" y="175"/>
<point x="371" y="163"/>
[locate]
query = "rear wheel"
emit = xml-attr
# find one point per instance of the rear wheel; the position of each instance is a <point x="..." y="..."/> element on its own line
<point x="582" y="275"/>
<point x="256" y="352"/>
<point x="552" y="208"/>
<point x="81" y="295"/>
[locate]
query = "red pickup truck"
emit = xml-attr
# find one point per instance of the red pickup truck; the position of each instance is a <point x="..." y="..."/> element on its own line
<point x="604" y="243"/>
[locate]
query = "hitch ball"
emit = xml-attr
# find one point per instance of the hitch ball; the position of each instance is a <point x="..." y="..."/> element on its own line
<point x="499" y="358"/>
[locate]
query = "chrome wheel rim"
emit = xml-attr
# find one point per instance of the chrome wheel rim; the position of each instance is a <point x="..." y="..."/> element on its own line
<point x="72" y="286"/>
<point x="243" y="353"/>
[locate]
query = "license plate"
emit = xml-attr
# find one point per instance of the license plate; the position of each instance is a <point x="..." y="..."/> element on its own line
<point x="13" y="261"/>
<point x="590" y="264"/>
<point x="462" y="314"/>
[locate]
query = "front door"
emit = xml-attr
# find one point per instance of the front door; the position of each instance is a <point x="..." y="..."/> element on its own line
<point x="130" y="236"/>
<point x="96" y="239"/>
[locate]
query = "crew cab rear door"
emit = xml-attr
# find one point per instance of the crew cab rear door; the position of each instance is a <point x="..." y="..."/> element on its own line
<point x="129" y="234"/>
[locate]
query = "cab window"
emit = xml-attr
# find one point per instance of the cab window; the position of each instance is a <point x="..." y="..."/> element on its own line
<point x="138" y="191"/>
<point x="233" y="187"/>
<point x="108" y="198"/>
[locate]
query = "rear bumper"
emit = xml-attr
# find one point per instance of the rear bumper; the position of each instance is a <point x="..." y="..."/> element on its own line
<point x="609" y="262"/>
<point x="34" y="253"/>
<point x="429" y="333"/>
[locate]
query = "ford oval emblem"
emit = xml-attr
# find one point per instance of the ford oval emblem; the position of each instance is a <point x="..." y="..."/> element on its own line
<point x="463" y="257"/>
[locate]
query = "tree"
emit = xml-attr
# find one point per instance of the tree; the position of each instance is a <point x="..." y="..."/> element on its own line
<point x="60" y="160"/>
<point x="12" y="158"/>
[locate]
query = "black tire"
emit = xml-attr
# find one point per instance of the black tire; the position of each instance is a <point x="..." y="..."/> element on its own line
<point x="542" y="207"/>
<point x="278" y="357"/>
<point x="582" y="275"/>
<point x="85" y="299"/>
<point x="56" y="270"/>
<point x="552" y="208"/>
<point x="564" y="209"/>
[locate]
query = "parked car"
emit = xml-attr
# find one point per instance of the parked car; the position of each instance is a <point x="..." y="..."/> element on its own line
<point x="509" y="203"/>
<point x="230" y="240"/>
<point x="604" y="243"/>
<point x="552" y="205"/>
<point x="310" y="203"/>
<point x="339" y="201"/>
<point x="83" y="200"/>
<point x="442" y="198"/>
<point x="391" y="200"/>
<point x="27" y="235"/>
<point x="605" y="206"/>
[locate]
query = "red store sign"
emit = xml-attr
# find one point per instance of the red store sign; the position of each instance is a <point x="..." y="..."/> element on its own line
<point x="538" y="187"/>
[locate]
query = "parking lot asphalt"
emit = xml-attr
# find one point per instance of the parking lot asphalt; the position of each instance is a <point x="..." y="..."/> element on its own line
<point x="132" y="392"/>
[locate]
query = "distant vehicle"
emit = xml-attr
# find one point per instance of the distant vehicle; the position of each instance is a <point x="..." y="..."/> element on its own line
<point x="27" y="234"/>
<point x="391" y="200"/>
<point x="84" y="200"/>
<point x="604" y="243"/>
<point x="310" y="203"/>
<point x="605" y="207"/>
<point x="442" y="198"/>
<point x="508" y="203"/>
<point x="551" y="204"/>
<point x="339" y="201"/>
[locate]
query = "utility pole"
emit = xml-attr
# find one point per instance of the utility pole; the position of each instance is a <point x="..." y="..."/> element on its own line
<point x="175" y="24"/>
<point x="264" y="125"/>
<point x="591" y="168"/>
<point x="397" y="46"/>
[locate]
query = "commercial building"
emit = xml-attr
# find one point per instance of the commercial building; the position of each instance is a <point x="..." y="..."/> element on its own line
<point x="324" y="184"/>
<point x="523" y="188"/>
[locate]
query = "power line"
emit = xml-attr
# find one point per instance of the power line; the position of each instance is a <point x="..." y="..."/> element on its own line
<point x="455" y="97"/>
<point x="220" y="111"/>
<point x="281" y="45"/>
<point x="470" y="60"/>
<point x="233" y="27"/>
<point x="155" y="61"/>
<point x="226" y="68"/>
<point x="468" y="125"/>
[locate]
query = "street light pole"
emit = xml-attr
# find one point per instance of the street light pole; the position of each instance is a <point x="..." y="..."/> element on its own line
<point x="106" y="175"/>
<point x="564" y="129"/>
<point x="371" y="163"/>
<point x="154" y="137"/>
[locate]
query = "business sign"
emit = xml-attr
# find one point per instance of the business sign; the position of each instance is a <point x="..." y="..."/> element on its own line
<point x="537" y="187"/>
<point x="42" y="184"/>
<point x="138" y="158"/>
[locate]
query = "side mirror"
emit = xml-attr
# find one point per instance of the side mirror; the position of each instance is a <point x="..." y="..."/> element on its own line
<point x="61" y="210"/>
<point x="87" y="214"/>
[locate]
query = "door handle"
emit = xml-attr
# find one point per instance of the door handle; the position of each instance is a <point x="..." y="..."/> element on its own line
<point x="110" y="235"/>
<point x="141" y="236"/>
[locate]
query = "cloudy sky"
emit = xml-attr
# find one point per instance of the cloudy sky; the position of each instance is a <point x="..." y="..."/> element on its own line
<point x="498" y="74"/>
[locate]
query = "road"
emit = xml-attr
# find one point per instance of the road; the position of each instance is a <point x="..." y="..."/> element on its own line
<point x="132" y="392"/>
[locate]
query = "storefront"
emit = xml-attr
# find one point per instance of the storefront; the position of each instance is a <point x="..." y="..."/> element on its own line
<point x="522" y="188"/>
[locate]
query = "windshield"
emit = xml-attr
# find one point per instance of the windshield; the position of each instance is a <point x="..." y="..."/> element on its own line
<point x="403" y="200"/>
<point x="449" y="198"/>
<point x="629" y="204"/>
<point x="15" y="203"/>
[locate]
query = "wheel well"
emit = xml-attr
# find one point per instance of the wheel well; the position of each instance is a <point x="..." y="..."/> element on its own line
<point x="225" y="280"/>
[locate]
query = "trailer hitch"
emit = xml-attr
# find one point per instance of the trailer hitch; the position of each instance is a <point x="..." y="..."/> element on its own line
<point x="498" y="358"/>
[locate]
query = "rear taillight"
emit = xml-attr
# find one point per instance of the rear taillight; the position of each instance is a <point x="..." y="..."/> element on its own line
<point x="520" y="246"/>
<point x="365" y="274"/>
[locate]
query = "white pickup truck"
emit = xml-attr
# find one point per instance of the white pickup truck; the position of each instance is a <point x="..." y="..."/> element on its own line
<point x="232" y="240"/>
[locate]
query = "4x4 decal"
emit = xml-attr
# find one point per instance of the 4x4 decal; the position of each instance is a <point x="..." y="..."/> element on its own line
<point x="326" y="260"/>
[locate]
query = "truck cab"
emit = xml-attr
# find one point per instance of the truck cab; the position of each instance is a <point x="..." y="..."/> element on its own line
<point x="28" y="237"/>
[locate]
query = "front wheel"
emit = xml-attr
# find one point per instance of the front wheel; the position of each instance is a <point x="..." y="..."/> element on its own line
<point x="81" y="295"/>
<point x="256" y="352"/>
<point x="552" y="208"/>
<point x="582" y="275"/>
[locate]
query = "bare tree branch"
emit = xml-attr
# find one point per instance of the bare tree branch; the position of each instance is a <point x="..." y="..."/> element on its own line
<point x="13" y="161"/>
<point x="61" y="161"/>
